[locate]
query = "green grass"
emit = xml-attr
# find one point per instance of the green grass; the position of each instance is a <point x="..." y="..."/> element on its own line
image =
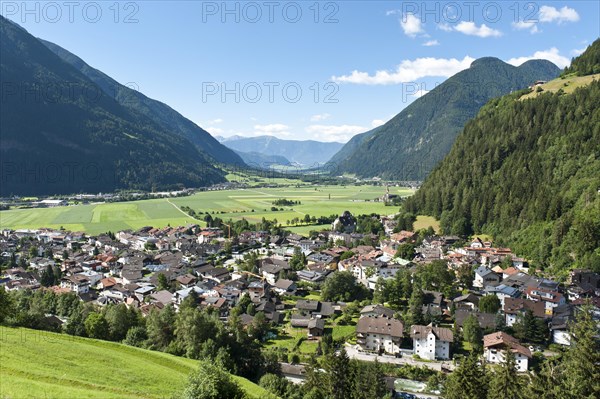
<point x="38" y="364"/>
<point x="568" y="84"/>
<point x="424" y="222"/>
<point x="252" y="204"/>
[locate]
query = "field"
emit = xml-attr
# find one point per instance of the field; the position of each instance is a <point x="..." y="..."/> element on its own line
<point x="568" y="84"/>
<point x="38" y="364"/>
<point x="252" y="204"/>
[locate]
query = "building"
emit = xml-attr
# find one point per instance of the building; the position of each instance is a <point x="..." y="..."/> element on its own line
<point x="485" y="277"/>
<point x="495" y="346"/>
<point x="515" y="308"/>
<point x="550" y="298"/>
<point x="379" y="334"/>
<point x="431" y="342"/>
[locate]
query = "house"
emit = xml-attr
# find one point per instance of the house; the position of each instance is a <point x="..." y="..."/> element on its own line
<point x="376" y="311"/>
<point x="379" y="334"/>
<point x="495" y="346"/>
<point x="431" y="342"/>
<point x="316" y="327"/>
<point x="503" y="291"/>
<point x="515" y="308"/>
<point x="285" y="287"/>
<point x="467" y="301"/>
<point x="76" y="283"/>
<point x="486" y="320"/>
<point x="485" y="277"/>
<point x="271" y="268"/>
<point x="550" y="298"/>
<point x="559" y="326"/>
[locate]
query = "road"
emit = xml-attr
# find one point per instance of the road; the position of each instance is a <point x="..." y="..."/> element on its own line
<point x="353" y="353"/>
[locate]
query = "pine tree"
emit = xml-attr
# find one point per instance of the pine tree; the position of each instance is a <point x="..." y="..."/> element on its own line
<point x="581" y="366"/>
<point x="338" y="375"/>
<point x="468" y="381"/>
<point x="543" y="384"/>
<point x="505" y="383"/>
<point x="472" y="333"/>
<point x="415" y="308"/>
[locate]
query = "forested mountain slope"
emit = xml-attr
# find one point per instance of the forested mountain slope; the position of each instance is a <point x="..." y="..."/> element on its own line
<point x="527" y="172"/>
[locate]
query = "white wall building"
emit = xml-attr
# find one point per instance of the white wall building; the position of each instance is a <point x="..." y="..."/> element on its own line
<point x="495" y="346"/>
<point x="431" y="342"/>
<point x="379" y="334"/>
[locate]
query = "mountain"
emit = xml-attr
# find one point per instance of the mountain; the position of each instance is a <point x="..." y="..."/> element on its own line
<point x="307" y="153"/>
<point x="154" y="110"/>
<point x="526" y="170"/>
<point x="262" y="161"/>
<point x="409" y="145"/>
<point x="588" y="62"/>
<point x="60" y="133"/>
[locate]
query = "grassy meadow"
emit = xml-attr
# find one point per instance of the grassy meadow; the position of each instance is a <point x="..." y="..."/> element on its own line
<point x="252" y="204"/>
<point x="568" y="84"/>
<point x="39" y="364"/>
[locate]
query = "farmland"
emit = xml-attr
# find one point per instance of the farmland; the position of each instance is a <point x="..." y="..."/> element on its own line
<point x="252" y="204"/>
<point x="38" y="364"/>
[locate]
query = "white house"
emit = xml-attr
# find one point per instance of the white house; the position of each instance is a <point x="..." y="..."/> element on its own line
<point x="485" y="277"/>
<point x="431" y="342"/>
<point x="76" y="283"/>
<point x="495" y="346"/>
<point x="379" y="334"/>
<point x="550" y="298"/>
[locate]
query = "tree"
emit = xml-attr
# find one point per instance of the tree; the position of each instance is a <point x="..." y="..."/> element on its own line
<point x="96" y="326"/>
<point x="436" y="276"/>
<point x="338" y="375"/>
<point x="160" y="325"/>
<point x="505" y="383"/>
<point x="47" y="277"/>
<point x="368" y="380"/>
<point x="468" y="381"/>
<point x="531" y="329"/>
<point x="415" y="308"/>
<point x="581" y="366"/>
<point x="472" y="332"/>
<point x="163" y="283"/>
<point x="6" y="305"/>
<point x="489" y="304"/>
<point x="136" y="336"/>
<point x="274" y="384"/>
<point x="211" y="382"/>
<point x="119" y="320"/>
<point x="405" y="251"/>
<point x="298" y="260"/>
<point x="342" y="286"/>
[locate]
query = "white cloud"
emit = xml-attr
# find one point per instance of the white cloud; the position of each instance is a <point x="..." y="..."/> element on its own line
<point x="392" y="12"/>
<point x="215" y="131"/>
<point x="445" y="27"/>
<point x="340" y="133"/>
<point x="551" y="14"/>
<point x="409" y="71"/>
<point x="215" y="121"/>
<point x="319" y="117"/>
<point x="430" y="43"/>
<point x="575" y="52"/>
<point x="471" y="29"/>
<point x="551" y="55"/>
<point x="376" y="123"/>
<point x="274" y="129"/>
<point x="411" y="25"/>
<point x="523" y="25"/>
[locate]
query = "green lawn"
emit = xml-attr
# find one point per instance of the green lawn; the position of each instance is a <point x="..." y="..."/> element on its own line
<point x="568" y="85"/>
<point x="38" y="364"/>
<point x="424" y="222"/>
<point x="252" y="204"/>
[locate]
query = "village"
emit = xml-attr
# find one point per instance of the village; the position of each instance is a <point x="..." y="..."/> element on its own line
<point x="370" y="298"/>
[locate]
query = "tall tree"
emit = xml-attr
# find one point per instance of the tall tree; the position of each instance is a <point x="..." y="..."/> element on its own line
<point x="211" y="382"/>
<point x="505" y="383"/>
<point x="338" y="375"/>
<point x="489" y="304"/>
<point x="581" y="366"/>
<point x="472" y="333"/>
<point x="468" y="381"/>
<point x="415" y="308"/>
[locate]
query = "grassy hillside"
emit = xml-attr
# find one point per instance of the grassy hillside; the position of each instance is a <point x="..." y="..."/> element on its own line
<point x="567" y="84"/>
<point x="38" y="364"/>
<point x="235" y="204"/>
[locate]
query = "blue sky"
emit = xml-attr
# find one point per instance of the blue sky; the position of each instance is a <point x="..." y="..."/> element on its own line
<point x="305" y="69"/>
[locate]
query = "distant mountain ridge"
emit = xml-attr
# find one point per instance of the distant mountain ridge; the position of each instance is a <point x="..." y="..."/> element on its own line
<point x="410" y="145"/>
<point x="262" y="161"/>
<point x="307" y="153"/>
<point x="60" y="136"/>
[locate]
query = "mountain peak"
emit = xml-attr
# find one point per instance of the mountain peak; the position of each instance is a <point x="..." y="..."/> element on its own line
<point x="487" y="62"/>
